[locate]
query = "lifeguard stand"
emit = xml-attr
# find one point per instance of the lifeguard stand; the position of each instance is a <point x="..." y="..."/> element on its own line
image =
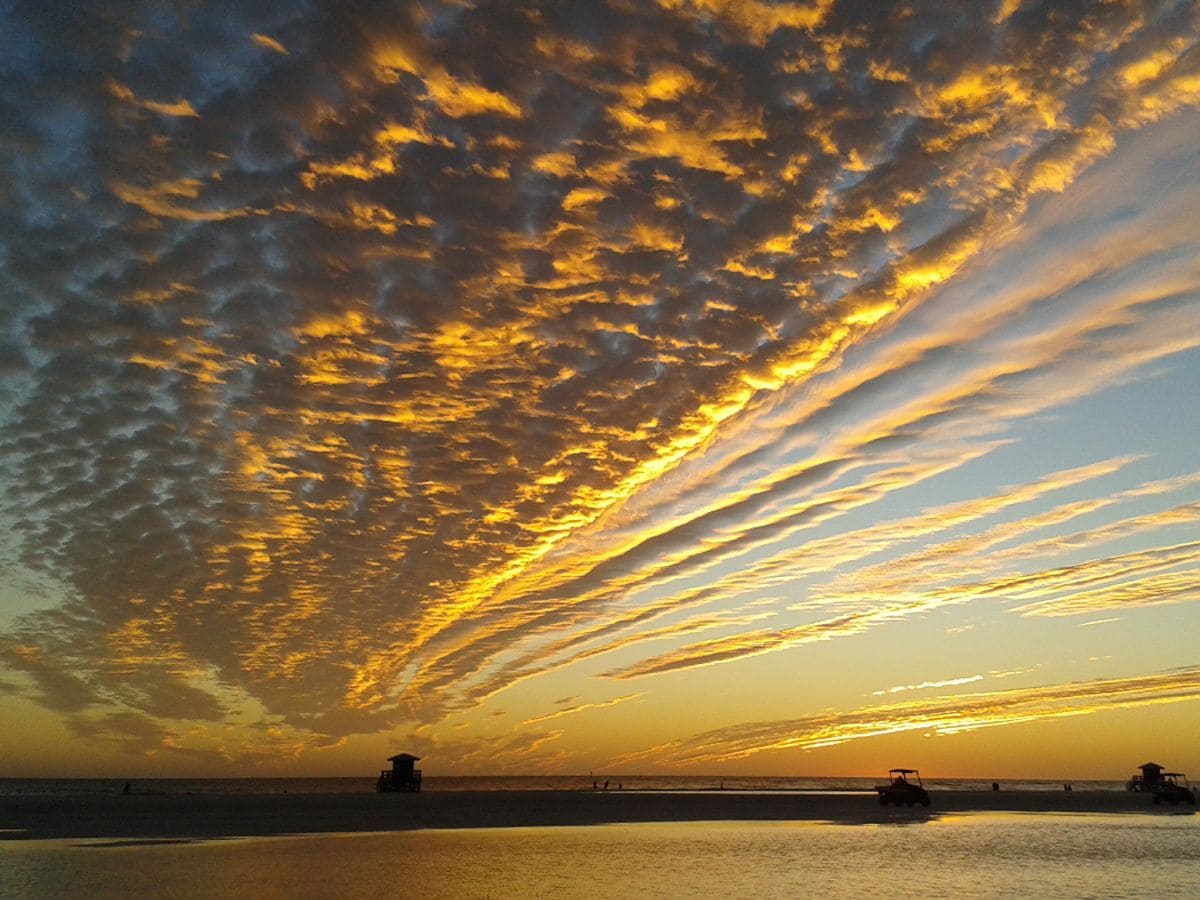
<point x="401" y="776"/>
<point x="1150" y="778"/>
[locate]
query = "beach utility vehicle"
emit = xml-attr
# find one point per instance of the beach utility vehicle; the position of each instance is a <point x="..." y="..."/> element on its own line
<point x="904" y="788"/>
<point x="1173" y="789"/>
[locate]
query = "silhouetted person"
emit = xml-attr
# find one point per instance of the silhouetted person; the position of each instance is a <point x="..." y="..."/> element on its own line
<point x="995" y="785"/>
<point x="125" y="790"/>
<point x="594" y="785"/>
<point x="1067" y="788"/>
<point x="606" y="784"/>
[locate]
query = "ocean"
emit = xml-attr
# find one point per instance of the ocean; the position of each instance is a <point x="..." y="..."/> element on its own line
<point x="962" y="856"/>
<point x="69" y="786"/>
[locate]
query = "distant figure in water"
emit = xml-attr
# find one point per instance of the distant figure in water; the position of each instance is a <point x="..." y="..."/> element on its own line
<point x="594" y="785"/>
<point x="1067" y="788"/>
<point x="722" y="784"/>
<point x="995" y="785"/>
<point x="125" y="790"/>
<point x="606" y="784"/>
<point x="618" y="785"/>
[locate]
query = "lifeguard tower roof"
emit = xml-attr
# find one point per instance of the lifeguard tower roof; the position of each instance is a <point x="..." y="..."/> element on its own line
<point x="402" y="757"/>
<point x="1149" y="766"/>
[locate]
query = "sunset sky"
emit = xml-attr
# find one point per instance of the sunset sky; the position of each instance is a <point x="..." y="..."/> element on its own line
<point x="698" y="386"/>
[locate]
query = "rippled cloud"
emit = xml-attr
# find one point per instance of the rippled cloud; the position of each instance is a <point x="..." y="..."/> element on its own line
<point x="362" y="362"/>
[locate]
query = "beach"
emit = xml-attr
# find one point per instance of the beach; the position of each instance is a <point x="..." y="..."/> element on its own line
<point x="150" y="816"/>
<point x="595" y="844"/>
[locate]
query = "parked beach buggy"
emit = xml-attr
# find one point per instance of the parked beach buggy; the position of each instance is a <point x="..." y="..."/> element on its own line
<point x="904" y="788"/>
<point x="1173" y="789"/>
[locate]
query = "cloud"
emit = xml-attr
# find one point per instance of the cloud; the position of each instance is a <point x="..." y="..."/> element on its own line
<point x="123" y="93"/>
<point x="948" y="714"/>
<point x="946" y="682"/>
<point x="580" y="707"/>
<point x="1164" y="587"/>
<point x="160" y="200"/>
<point x="361" y="364"/>
<point x="269" y="43"/>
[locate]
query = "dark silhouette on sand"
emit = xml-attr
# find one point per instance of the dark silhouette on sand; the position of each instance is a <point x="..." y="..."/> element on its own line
<point x="1148" y="780"/>
<point x="902" y="789"/>
<point x="401" y="776"/>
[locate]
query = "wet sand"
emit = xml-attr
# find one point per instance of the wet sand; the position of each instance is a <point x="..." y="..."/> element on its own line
<point x="184" y="816"/>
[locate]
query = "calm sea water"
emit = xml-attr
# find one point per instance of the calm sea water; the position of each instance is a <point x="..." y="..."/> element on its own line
<point x="975" y="855"/>
<point x="75" y="786"/>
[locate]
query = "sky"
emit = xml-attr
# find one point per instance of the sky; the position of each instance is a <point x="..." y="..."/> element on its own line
<point x="691" y="386"/>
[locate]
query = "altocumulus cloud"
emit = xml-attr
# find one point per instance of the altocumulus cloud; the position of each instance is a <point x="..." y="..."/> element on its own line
<point x="350" y="349"/>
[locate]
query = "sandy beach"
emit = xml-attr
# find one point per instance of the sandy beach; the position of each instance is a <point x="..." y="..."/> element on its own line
<point x="182" y="816"/>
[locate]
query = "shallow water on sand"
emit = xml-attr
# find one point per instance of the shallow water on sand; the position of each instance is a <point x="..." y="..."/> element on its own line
<point x="971" y="855"/>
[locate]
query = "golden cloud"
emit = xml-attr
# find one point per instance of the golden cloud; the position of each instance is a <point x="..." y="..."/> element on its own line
<point x="950" y="714"/>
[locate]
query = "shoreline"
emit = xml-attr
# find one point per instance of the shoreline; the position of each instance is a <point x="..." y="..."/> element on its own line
<point x="162" y="817"/>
